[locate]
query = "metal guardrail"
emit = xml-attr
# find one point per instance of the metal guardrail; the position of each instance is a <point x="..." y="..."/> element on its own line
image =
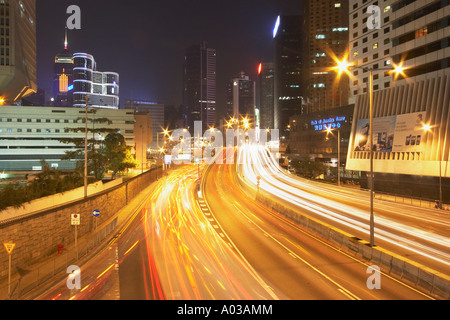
<point x="414" y="201"/>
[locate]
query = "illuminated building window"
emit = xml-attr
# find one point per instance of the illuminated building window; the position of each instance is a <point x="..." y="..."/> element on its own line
<point x="421" y="32"/>
<point x="63" y="83"/>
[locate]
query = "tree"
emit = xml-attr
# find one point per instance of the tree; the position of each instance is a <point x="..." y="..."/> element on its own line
<point x="117" y="153"/>
<point x="308" y="168"/>
<point x="48" y="182"/>
<point x="96" y="160"/>
<point x="13" y="195"/>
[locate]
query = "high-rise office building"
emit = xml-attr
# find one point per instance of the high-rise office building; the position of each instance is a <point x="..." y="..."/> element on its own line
<point x="101" y="88"/>
<point x="326" y="26"/>
<point x="17" y="49"/>
<point x="63" y="77"/>
<point x="199" y="86"/>
<point x="288" y="63"/>
<point x="369" y="47"/>
<point x="241" y="99"/>
<point x="266" y="79"/>
<point x="413" y="34"/>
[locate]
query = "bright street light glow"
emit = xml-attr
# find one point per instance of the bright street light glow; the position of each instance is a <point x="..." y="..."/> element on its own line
<point x="342" y="66"/>
<point x="398" y="70"/>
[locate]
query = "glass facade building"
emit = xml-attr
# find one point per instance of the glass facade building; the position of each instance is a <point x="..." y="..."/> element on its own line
<point x="199" y="86"/>
<point x="241" y="98"/>
<point x="63" y="78"/>
<point x="101" y="88"/>
<point x="288" y="64"/>
<point x="17" y="49"/>
<point x="266" y="95"/>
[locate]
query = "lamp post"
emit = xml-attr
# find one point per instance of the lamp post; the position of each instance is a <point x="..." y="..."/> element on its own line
<point x="344" y="66"/>
<point x="142" y="149"/>
<point x="329" y="130"/>
<point x="165" y="132"/>
<point x="85" y="145"/>
<point x="427" y="128"/>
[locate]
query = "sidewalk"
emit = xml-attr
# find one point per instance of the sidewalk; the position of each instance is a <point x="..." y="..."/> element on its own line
<point x="53" y="269"/>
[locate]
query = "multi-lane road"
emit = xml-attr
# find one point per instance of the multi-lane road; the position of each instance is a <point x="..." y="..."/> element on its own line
<point x="420" y="234"/>
<point x="205" y="238"/>
<point x="169" y="249"/>
<point x="290" y="259"/>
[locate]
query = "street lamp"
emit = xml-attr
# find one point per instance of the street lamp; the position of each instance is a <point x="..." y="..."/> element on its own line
<point x="427" y="128"/>
<point x="329" y="130"/>
<point x="344" y="66"/>
<point x="142" y="148"/>
<point x="165" y="132"/>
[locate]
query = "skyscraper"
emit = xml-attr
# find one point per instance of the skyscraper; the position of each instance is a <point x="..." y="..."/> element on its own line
<point x="63" y="77"/>
<point x="413" y="36"/>
<point x="288" y="38"/>
<point x="327" y="28"/>
<point x="241" y="98"/>
<point x="17" y="49"/>
<point x="266" y="95"/>
<point x="199" y="85"/>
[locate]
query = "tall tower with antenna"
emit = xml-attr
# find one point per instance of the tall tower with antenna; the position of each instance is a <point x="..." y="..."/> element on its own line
<point x="63" y="77"/>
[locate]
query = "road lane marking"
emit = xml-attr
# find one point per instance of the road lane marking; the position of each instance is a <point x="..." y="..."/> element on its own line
<point x="297" y="246"/>
<point x="232" y="246"/>
<point x="346" y="254"/>
<point x="306" y="262"/>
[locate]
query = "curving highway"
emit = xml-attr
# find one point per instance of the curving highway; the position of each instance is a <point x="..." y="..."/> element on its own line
<point x="421" y="234"/>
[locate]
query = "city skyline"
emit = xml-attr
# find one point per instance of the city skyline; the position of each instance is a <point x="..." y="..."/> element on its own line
<point x="150" y="61"/>
<point x="271" y="150"/>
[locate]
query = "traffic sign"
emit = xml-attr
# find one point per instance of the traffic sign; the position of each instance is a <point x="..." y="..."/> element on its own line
<point x="75" y="219"/>
<point x="9" y="247"/>
<point x="96" y="213"/>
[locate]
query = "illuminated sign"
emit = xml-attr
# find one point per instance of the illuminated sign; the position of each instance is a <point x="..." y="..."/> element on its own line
<point x="324" y="124"/>
<point x="260" y="68"/>
<point x="277" y="25"/>
<point x="70" y="88"/>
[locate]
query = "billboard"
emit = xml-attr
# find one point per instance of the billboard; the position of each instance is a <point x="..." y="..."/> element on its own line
<point x="409" y="132"/>
<point x="400" y="133"/>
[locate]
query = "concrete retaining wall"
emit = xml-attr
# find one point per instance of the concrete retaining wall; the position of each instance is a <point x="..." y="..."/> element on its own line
<point x="37" y="234"/>
<point x="56" y="200"/>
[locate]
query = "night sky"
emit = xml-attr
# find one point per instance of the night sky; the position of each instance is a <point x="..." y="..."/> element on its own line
<point x="145" y="40"/>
